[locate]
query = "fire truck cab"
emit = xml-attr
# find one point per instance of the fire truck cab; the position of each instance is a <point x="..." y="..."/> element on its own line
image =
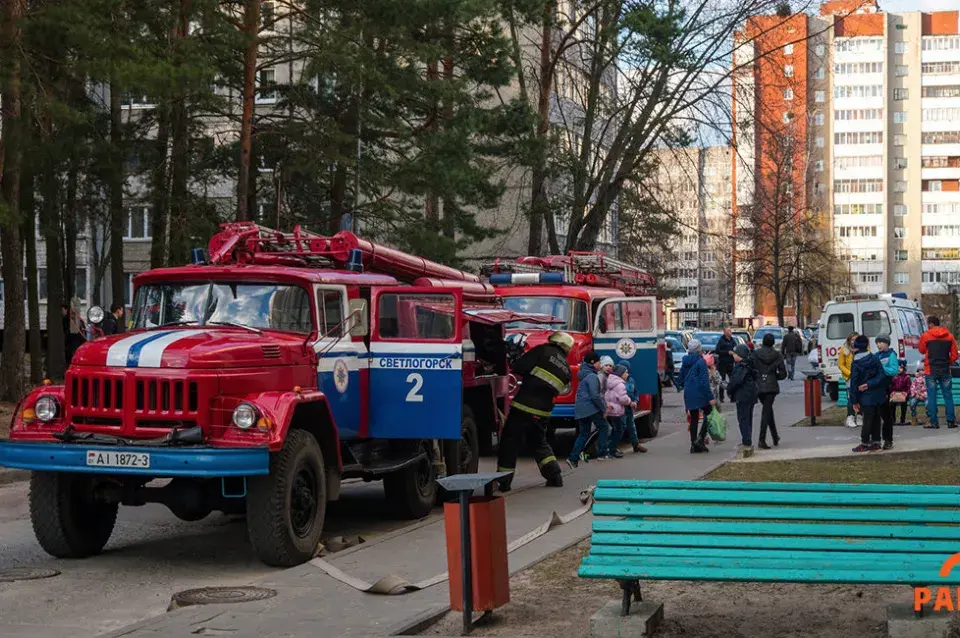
<point x="257" y="380"/>
<point x="606" y="305"/>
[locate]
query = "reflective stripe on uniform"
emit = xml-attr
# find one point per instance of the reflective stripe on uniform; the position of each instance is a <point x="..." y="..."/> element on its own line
<point x="528" y="409"/>
<point x="548" y="378"/>
<point x="547" y="459"/>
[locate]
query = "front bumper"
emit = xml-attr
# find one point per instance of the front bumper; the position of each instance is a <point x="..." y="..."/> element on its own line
<point x="196" y="461"/>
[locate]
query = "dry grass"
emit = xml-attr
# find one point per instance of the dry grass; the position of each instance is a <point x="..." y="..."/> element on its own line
<point x="549" y="599"/>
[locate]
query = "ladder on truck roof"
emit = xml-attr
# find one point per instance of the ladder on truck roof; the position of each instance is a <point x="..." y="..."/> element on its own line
<point x="248" y="243"/>
<point x="583" y="268"/>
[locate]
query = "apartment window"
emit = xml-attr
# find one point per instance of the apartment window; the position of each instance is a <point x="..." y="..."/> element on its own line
<point x="267" y="14"/>
<point x="41" y="283"/>
<point x="952" y="90"/>
<point x="900" y="47"/>
<point x="136" y="101"/>
<point x="940" y="68"/>
<point x="934" y="186"/>
<point x="820" y="74"/>
<point x="858" y="209"/>
<point x="266" y="86"/>
<point x="788" y="49"/>
<point x="819" y="97"/>
<point x="901" y="255"/>
<point x="818" y="119"/>
<point x="899" y="186"/>
<point x="869" y="277"/>
<point x="858" y="45"/>
<point x="900" y="117"/>
<point x="860" y="137"/>
<point x="819" y="166"/>
<point x="128" y="289"/>
<point x="788" y="94"/>
<point x="940" y="253"/>
<point x="941" y="43"/>
<point x="787" y="117"/>
<point x="900" y="210"/>
<point x="859" y="161"/>
<point x="901" y="70"/>
<point x="901" y="278"/>
<point x="950" y="208"/>
<point x="858" y="231"/>
<point x="858" y="186"/>
<point x="900" y="232"/>
<point x="858" y="91"/>
<point x="788" y="70"/>
<point x="138" y="222"/>
<point x="899" y="140"/>
<point x="899" y="163"/>
<point x="941" y="231"/>
<point x="819" y="188"/>
<point x="947" y="114"/>
<point x="819" y="141"/>
<point x="820" y="50"/>
<point x="842" y="115"/>
<point x="941" y="137"/>
<point x="900" y="94"/>
<point x="857" y="68"/>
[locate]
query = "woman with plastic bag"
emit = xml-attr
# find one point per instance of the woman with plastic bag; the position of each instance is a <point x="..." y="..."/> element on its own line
<point x="698" y="398"/>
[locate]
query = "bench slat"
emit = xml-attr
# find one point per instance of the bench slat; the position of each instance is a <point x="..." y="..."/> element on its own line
<point x="813" y="557"/>
<point x="774" y="497"/>
<point x="740" y="486"/>
<point x="865" y="562"/>
<point x="874" y="515"/>
<point x="918" y="577"/>
<point x="917" y="532"/>
<point x="762" y="542"/>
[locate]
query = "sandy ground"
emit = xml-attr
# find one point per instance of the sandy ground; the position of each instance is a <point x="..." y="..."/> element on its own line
<point x="549" y="599"/>
<point x="6" y="414"/>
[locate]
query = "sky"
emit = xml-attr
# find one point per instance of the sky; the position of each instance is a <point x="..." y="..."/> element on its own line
<point x="897" y="6"/>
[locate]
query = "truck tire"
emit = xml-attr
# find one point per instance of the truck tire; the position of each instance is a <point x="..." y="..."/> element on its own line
<point x="412" y="490"/>
<point x="833" y="389"/>
<point x="648" y="426"/>
<point x="286" y="509"/>
<point x="67" y="520"/>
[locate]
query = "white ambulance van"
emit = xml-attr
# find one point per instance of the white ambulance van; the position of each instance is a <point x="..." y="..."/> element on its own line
<point x="885" y="314"/>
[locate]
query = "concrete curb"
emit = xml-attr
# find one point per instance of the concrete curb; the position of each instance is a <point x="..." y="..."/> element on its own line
<point x="420" y="622"/>
<point x="13" y="476"/>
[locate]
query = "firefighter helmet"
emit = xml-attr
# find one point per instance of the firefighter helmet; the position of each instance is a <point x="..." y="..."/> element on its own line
<point x="563" y="340"/>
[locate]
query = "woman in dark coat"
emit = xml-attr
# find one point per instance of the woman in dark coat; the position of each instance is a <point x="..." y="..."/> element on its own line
<point x="771" y="370"/>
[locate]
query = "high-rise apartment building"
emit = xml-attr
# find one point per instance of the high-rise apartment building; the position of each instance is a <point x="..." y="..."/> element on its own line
<point x="863" y="107"/>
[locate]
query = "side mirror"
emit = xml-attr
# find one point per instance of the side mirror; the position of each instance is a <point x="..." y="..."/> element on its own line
<point x="359" y="324"/>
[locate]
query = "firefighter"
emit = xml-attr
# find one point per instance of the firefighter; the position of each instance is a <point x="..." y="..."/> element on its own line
<point x="545" y="374"/>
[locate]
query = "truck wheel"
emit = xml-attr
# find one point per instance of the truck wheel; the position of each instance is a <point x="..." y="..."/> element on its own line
<point x="833" y="389"/>
<point x="412" y="490"/>
<point x="67" y="520"/>
<point x="649" y="426"/>
<point x="285" y="510"/>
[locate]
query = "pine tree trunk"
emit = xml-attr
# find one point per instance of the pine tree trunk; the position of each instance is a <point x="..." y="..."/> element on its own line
<point x="70" y="232"/>
<point x="11" y="249"/>
<point x="161" y="199"/>
<point x="115" y="187"/>
<point x="251" y="27"/>
<point x="50" y="225"/>
<point x="538" y="185"/>
<point x="28" y="216"/>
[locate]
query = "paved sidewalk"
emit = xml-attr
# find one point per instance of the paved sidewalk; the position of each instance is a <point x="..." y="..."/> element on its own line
<point x="310" y="603"/>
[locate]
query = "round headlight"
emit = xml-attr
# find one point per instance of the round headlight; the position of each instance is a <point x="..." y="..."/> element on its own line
<point x="245" y="416"/>
<point x="46" y="409"/>
<point x="95" y="314"/>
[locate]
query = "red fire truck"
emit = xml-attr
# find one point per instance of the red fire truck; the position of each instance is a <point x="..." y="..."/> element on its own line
<point x="260" y="378"/>
<point x="606" y="305"/>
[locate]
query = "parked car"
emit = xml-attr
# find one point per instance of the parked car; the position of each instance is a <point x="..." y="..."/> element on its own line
<point x="745" y="336"/>
<point x="677" y="352"/>
<point x="708" y="340"/>
<point x="776" y="331"/>
<point x="682" y="336"/>
<point x="810" y="339"/>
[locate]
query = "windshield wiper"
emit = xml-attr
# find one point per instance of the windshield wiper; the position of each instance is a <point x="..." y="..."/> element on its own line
<point x="234" y="325"/>
<point x="173" y="323"/>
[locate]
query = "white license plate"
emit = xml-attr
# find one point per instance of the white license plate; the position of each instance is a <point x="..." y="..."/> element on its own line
<point x="100" y="458"/>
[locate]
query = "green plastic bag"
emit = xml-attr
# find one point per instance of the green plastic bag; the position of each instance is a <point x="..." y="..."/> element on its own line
<point x="716" y="425"/>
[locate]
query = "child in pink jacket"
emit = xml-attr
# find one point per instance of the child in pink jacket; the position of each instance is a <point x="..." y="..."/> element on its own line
<point x="918" y="394"/>
<point x="617" y="399"/>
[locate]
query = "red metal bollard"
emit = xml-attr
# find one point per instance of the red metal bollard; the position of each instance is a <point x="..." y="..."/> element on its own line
<point x="811" y="399"/>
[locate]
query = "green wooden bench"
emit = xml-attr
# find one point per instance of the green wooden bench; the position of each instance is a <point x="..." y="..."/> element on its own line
<point x="771" y="532"/>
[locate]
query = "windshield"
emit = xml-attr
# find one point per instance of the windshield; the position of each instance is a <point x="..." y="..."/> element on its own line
<point x="707" y="339"/>
<point x="254" y="305"/>
<point x="674" y="344"/>
<point x="573" y="312"/>
<point x="775" y="331"/>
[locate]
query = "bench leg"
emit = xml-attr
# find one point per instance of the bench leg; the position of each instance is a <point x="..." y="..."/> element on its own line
<point x="631" y="591"/>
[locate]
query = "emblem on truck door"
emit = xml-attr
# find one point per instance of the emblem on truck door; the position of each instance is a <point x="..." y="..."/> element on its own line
<point x="341" y="375"/>
<point x="626" y="348"/>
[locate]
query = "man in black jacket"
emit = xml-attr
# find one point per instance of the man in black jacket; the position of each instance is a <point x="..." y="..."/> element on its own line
<point x="545" y="373"/>
<point x="743" y="391"/>
<point x="770" y="371"/>
<point x="792" y="347"/>
<point x="112" y="322"/>
<point x="724" y="353"/>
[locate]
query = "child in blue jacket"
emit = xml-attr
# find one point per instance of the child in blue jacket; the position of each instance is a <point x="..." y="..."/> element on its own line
<point x="698" y="398"/>
<point x="868" y="393"/>
<point x="628" y="416"/>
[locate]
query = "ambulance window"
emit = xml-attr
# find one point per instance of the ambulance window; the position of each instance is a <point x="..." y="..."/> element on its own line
<point x="840" y="325"/>
<point x="416" y="316"/>
<point x="620" y="316"/>
<point x="330" y="303"/>
<point x="909" y="323"/>
<point x="875" y="322"/>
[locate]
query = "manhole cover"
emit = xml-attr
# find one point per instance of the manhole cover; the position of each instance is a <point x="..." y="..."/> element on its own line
<point x="221" y="595"/>
<point x="12" y="574"/>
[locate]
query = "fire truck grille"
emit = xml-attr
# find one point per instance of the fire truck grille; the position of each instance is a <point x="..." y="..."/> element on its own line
<point x="155" y="395"/>
<point x="98" y="399"/>
<point x="101" y="393"/>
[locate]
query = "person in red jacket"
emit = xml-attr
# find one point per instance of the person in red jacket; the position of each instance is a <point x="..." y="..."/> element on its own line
<point x="940" y="349"/>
